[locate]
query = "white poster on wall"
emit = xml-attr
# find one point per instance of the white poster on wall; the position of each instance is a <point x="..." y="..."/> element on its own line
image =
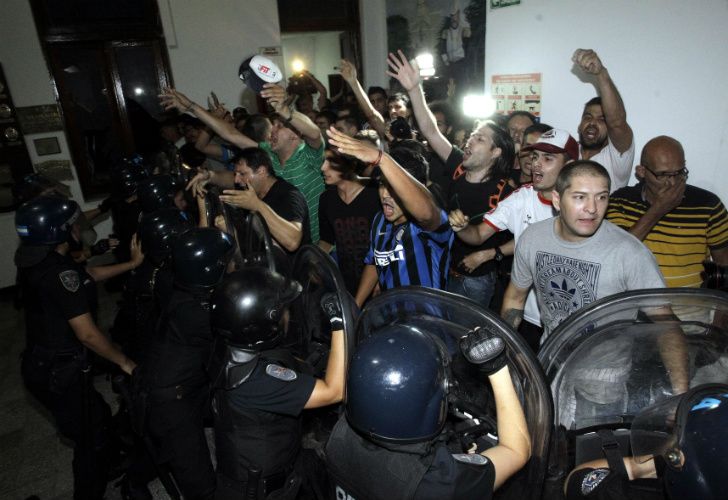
<point x="517" y="93"/>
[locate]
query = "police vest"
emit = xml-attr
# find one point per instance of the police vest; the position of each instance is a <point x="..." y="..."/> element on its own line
<point x="249" y="438"/>
<point x="362" y="470"/>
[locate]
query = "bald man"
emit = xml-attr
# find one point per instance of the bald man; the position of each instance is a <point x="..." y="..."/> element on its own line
<point x="681" y="224"/>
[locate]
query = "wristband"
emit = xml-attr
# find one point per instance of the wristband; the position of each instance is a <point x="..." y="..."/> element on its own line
<point x="376" y="162"/>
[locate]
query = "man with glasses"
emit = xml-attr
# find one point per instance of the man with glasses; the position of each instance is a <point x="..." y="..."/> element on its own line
<point x="681" y="224"/>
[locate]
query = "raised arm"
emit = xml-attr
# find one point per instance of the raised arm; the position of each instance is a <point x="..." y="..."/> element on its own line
<point x="377" y="121"/>
<point x="330" y="389"/>
<point x="322" y="95"/>
<point x="408" y="75"/>
<point x="172" y="99"/>
<point x="619" y="131"/>
<point x="416" y="199"/>
<point x="277" y="98"/>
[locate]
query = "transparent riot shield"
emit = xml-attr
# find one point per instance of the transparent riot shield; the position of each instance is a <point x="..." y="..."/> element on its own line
<point x="625" y="353"/>
<point x="310" y="332"/>
<point x="449" y="317"/>
<point x="259" y="249"/>
<point x="226" y="218"/>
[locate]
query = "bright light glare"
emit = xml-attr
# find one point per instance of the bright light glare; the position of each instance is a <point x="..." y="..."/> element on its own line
<point x="478" y="106"/>
<point x="426" y="64"/>
<point x="138" y="91"/>
<point x="297" y="65"/>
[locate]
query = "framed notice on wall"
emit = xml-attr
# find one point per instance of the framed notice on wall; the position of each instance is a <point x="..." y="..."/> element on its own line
<point x="517" y="93"/>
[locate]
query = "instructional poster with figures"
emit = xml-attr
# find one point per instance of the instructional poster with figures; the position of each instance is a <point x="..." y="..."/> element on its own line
<point x="517" y="93"/>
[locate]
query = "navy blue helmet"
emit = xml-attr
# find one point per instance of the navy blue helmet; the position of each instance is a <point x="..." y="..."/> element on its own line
<point x="46" y="220"/>
<point x="397" y="385"/>
<point x="158" y="230"/>
<point x="156" y="192"/>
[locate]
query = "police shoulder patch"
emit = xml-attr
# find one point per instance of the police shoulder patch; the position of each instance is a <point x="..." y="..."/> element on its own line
<point x="592" y="480"/>
<point x="70" y="280"/>
<point x="281" y="373"/>
<point x="470" y="458"/>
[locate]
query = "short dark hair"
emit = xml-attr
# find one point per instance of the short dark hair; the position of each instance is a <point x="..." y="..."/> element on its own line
<point x="541" y="128"/>
<point x="444" y="108"/>
<point x="376" y="90"/>
<point x="412" y="161"/>
<point x="400" y="96"/>
<point x="344" y="164"/>
<point x="254" y="158"/>
<point x="328" y="114"/>
<point x="350" y="121"/>
<point x="580" y="167"/>
<point x="593" y="101"/>
<point x="255" y="127"/>
<point x="522" y="113"/>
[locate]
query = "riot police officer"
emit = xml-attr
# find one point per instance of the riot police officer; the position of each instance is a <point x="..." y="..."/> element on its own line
<point x="151" y="282"/>
<point x="173" y="374"/>
<point x="60" y="306"/>
<point x="156" y="192"/>
<point x="394" y="428"/>
<point x="679" y="452"/>
<point x="259" y="389"/>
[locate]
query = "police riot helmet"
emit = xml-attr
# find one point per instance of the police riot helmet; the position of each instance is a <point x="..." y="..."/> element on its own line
<point x="156" y="192"/>
<point x="46" y="220"/>
<point x="200" y="257"/>
<point x="158" y="230"/>
<point x="126" y="177"/>
<point x="248" y="306"/>
<point x="689" y="432"/>
<point x="397" y="385"/>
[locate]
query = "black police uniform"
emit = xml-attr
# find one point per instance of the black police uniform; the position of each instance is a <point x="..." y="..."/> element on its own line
<point x="419" y="471"/>
<point x="177" y="391"/>
<point x="56" y="290"/>
<point x="258" y="423"/>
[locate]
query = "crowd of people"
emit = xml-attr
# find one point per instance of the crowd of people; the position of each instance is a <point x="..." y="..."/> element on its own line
<point x="512" y="214"/>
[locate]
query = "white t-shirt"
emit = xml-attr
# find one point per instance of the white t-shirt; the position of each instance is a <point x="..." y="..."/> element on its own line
<point x="520" y="209"/>
<point x="619" y="165"/>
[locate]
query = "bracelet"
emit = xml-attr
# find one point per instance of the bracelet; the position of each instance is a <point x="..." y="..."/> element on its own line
<point x="376" y="162"/>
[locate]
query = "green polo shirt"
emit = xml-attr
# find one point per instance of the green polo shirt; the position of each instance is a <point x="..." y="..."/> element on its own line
<point x="303" y="170"/>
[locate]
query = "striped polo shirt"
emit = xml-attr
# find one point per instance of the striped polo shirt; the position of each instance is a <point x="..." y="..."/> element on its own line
<point x="683" y="238"/>
<point x="405" y="254"/>
<point x="303" y="170"/>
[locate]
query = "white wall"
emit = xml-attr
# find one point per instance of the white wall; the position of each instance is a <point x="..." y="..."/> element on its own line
<point x="373" y="21"/>
<point x="207" y="41"/>
<point x="667" y="58"/>
<point x="319" y="51"/>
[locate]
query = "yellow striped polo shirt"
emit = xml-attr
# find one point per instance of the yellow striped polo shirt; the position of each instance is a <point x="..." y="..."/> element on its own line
<point x="683" y="238"/>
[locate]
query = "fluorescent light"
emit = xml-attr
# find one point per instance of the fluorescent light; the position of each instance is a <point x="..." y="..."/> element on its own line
<point x="478" y="106"/>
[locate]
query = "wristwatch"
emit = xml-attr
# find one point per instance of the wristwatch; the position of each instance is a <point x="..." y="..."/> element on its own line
<point x="498" y="254"/>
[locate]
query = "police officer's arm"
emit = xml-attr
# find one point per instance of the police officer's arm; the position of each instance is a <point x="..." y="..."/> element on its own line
<point x="514" y="301"/>
<point x="416" y="199"/>
<point x="615" y="116"/>
<point x="330" y="390"/>
<point x="367" y="282"/>
<point x="472" y="234"/>
<point x="288" y="234"/>
<point x="277" y="98"/>
<point x="100" y="273"/>
<point x="409" y="76"/>
<point x="172" y="99"/>
<point x="90" y="336"/>
<point x="635" y="470"/>
<point x="514" y="442"/>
